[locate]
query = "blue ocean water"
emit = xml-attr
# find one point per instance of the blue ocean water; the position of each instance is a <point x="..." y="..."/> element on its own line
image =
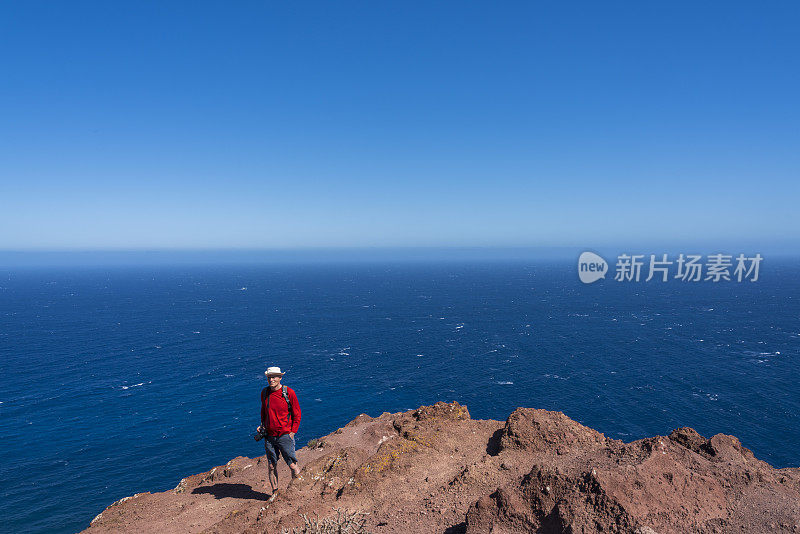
<point x="122" y="380"/>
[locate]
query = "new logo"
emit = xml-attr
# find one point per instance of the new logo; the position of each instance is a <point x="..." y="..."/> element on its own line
<point x="591" y="267"/>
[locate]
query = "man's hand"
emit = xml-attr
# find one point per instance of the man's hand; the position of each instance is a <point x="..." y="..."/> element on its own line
<point x="291" y="435"/>
<point x="258" y="429"/>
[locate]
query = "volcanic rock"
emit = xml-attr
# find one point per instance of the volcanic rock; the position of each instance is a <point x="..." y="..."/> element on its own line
<point x="435" y="469"/>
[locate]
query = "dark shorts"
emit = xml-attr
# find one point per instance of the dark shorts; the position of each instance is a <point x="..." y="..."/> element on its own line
<point x="284" y="444"/>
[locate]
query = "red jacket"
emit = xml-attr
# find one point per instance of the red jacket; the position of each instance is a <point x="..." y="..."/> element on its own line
<point x="279" y="422"/>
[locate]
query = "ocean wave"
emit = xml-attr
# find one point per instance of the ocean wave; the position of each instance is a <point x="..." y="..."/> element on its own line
<point x="136" y="385"/>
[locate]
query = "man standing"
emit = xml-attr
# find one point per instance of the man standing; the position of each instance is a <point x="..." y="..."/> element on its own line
<point x="280" y="419"/>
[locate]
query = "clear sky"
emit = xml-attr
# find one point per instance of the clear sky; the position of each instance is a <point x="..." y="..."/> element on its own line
<point x="131" y="125"/>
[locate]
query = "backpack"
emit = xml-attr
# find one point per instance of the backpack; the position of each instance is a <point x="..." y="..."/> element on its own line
<point x="265" y="395"/>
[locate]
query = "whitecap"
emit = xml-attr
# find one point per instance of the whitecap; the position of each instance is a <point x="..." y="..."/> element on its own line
<point x="242" y="289"/>
<point x="505" y="383"/>
<point x="136" y="385"/>
<point x="196" y="332"/>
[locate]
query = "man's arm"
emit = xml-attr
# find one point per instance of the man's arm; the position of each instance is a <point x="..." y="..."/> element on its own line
<point x="295" y="411"/>
<point x="263" y="412"/>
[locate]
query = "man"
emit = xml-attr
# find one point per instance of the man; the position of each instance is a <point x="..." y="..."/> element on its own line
<point x="280" y="419"/>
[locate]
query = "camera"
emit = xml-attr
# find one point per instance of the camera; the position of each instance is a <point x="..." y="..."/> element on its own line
<point x="258" y="436"/>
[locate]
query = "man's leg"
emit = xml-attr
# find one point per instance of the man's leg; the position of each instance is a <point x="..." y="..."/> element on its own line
<point x="271" y="449"/>
<point x="286" y="445"/>
<point x="295" y="470"/>
<point x="272" y="474"/>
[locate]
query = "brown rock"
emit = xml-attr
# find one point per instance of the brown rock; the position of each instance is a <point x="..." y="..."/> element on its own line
<point x="541" y="430"/>
<point x="435" y="469"/>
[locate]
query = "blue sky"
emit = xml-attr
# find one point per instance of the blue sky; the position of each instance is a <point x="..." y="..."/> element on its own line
<point x="158" y="125"/>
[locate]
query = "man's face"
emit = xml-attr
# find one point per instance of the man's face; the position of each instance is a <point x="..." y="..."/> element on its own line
<point x="274" y="381"/>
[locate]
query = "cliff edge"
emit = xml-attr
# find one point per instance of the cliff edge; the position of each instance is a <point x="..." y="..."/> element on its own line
<point x="435" y="469"/>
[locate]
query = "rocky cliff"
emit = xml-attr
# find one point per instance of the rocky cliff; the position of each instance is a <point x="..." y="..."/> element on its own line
<point x="435" y="469"/>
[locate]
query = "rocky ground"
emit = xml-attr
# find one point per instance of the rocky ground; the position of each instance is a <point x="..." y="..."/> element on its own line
<point x="435" y="469"/>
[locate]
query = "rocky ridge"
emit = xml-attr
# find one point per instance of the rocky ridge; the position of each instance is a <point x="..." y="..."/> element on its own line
<point x="435" y="469"/>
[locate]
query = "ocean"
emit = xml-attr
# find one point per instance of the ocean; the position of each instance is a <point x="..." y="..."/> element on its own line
<point x="121" y="380"/>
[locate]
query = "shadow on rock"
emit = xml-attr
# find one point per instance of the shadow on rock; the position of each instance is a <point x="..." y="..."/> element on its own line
<point x="493" y="446"/>
<point x="460" y="528"/>
<point x="237" y="491"/>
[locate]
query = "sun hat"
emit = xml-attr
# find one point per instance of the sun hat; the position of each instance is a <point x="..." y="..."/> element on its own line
<point x="273" y="371"/>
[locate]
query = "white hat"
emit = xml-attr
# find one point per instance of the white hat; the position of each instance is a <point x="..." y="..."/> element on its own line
<point x="273" y="371"/>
